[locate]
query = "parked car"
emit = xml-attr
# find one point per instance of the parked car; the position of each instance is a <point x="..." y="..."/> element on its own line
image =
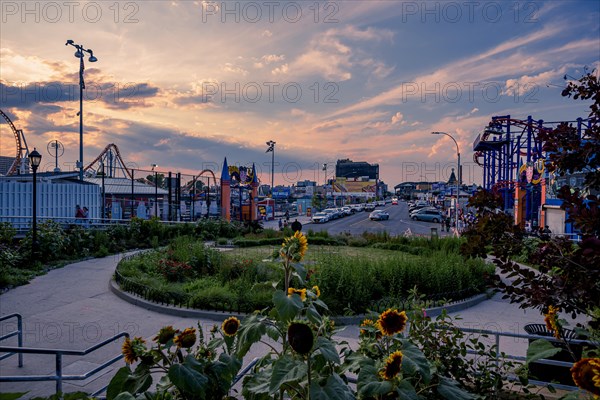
<point x="379" y="215"/>
<point x="332" y="212"/>
<point x="381" y="203"/>
<point x="347" y="210"/>
<point x="427" y="215"/>
<point x="420" y="210"/>
<point x="369" y="206"/>
<point x="320" y="218"/>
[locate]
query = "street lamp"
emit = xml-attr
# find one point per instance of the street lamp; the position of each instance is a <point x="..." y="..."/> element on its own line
<point x="155" y="190"/>
<point x="325" y="169"/>
<point x="80" y="54"/>
<point x="34" y="160"/>
<point x="271" y="149"/>
<point x="457" y="177"/>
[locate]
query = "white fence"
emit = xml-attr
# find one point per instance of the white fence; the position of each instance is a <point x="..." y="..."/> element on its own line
<point x="54" y="200"/>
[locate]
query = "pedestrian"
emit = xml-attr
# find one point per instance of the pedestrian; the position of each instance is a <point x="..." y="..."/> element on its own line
<point x="78" y="212"/>
<point x="85" y="212"/>
<point x="280" y="224"/>
<point x="443" y="223"/>
<point x="447" y="224"/>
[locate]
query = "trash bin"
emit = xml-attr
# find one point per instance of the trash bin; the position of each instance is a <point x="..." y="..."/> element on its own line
<point x="553" y="373"/>
<point x="434" y="232"/>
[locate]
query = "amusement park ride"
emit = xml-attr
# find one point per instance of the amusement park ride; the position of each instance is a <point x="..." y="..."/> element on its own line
<point x="20" y="163"/>
<point x="510" y="153"/>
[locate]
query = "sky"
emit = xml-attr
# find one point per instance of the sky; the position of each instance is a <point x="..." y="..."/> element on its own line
<point x="184" y="84"/>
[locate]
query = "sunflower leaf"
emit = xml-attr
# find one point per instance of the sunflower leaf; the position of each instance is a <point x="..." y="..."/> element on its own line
<point x="541" y="348"/>
<point x="187" y="379"/>
<point x="335" y="389"/>
<point x="327" y="350"/>
<point x="286" y="370"/>
<point x="250" y="332"/>
<point x="299" y="272"/>
<point x="376" y="388"/>
<point x="406" y="390"/>
<point x="414" y="361"/>
<point x="287" y="306"/>
<point x="450" y="390"/>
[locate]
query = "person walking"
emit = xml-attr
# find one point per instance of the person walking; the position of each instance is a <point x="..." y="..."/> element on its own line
<point x="443" y="223"/>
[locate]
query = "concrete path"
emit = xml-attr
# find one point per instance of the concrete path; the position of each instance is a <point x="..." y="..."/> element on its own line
<point x="73" y="308"/>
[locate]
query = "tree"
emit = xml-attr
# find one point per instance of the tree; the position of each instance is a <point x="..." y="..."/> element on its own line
<point x="569" y="275"/>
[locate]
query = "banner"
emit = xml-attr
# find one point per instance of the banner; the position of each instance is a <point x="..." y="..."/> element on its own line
<point x="349" y="185"/>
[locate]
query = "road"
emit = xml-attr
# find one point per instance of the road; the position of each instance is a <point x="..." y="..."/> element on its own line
<point x="398" y="223"/>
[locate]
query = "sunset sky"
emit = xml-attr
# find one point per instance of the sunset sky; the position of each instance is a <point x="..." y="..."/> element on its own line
<point x="184" y="84"/>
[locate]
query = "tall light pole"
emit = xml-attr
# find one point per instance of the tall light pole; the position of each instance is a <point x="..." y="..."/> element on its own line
<point x="80" y="54"/>
<point x="155" y="190"/>
<point x="325" y="169"/>
<point x="271" y="149"/>
<point x="457" y="177"/>
<point x="34" y="160"/>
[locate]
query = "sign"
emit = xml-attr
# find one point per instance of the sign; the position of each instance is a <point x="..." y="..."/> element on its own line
<point x="262" y="210"/>
<point x="350" y="185"/>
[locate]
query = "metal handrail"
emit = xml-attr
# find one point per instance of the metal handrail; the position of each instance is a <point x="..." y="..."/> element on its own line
<point x="18" y="333"/>
<point x="497" y="336"/>
<point x="59" y="353"/>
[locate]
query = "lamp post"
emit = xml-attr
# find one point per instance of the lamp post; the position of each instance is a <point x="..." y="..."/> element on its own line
<point x="271" y="149"/>
<point x="79" y="54"/>
<point x="457" y="177"/>
<point x="34" y="160"/>
<point x="325" y="169"/>
<point x="155" y="190"/>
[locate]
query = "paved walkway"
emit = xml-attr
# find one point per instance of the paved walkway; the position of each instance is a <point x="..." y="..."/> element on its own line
<point x="73" y="308"/>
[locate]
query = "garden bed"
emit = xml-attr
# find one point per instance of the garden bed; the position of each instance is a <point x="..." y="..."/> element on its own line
<point x="242" y="280"/>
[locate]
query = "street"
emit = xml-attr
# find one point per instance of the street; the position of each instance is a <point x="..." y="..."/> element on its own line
<point x="398" y="224"/>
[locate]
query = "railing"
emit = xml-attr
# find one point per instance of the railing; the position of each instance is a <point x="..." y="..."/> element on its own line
<point x="498" y="352"/>
<point x="58" y="376"/>
<point x="23" y="223"/>
<point x="18" y="333"/>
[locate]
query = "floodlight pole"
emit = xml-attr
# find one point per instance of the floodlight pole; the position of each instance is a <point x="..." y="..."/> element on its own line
<point x="456" y="204"/>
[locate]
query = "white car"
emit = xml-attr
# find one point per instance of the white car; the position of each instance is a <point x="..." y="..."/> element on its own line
<point x="320" y="218"/>
<point x="347" y="210"/>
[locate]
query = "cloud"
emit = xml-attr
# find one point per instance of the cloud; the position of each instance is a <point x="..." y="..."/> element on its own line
<point x="398" y="118"/>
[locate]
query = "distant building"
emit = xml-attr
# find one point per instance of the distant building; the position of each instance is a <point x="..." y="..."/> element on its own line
<point x="350" y="169"/>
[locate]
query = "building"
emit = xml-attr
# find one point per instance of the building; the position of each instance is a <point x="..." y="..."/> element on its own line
<point x="349" y="169"/>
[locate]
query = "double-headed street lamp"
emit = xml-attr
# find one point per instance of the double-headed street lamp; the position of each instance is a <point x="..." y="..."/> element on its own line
<point x="271" y="149"/>
<point x="80" y="54"/>
<point x="456" y="204"/>
<point x="35" y="159"/>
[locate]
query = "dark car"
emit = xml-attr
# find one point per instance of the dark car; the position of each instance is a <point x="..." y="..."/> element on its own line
<point x="379" y="215"/>
<point x="427" y="215"/>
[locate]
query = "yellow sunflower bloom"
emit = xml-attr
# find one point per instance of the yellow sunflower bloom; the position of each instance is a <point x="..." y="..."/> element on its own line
<point x="586" y="375"/>
<point x="186" y="339"/>
<point x="299" y="292"/>
<point x="391" y="322"/>
<point x="133" y="349"/>
<point x="551" y="320"/>
<point x="230" y="326"/>
<point x="316" y="290"/>
<point x="392" y="366"/>
<point x="294" y="247"/>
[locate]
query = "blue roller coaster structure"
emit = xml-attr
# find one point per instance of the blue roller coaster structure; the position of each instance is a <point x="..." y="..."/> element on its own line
<point x="510" y="152"/>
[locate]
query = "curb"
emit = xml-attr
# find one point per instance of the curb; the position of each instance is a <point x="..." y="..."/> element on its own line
<point x="221" y="315"/>
<point x="169" y="310"/>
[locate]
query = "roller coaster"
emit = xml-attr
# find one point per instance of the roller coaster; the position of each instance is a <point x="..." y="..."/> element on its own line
<point x="511" y="155"/>
<point x="22" y="151"/>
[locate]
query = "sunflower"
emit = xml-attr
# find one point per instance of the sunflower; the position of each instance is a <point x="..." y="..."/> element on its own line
<point x="551" y="320"/>
<point x="186" y="339"/>
<point x="294" y="248"/>
<point x="230" y="326"/>
<point x="316" y="290"/>
<point x="392" y="366"/>
<point x="391" y="322"/>
<point x="586" y="375"/>
<point x="299" y="292"/>
<point x="133" y="349"/>
<point x="366" y="323"/>
<point x="300" y="337"/>
<point x="165" y="334"/>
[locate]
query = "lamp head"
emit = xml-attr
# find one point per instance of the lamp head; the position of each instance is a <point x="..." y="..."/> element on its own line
<point x="69" y="42"/>
<point x="436" y="133"/>
<point x="35" y="158"/>
<point x="79" y="54"/>
<point x="92" y="57"/>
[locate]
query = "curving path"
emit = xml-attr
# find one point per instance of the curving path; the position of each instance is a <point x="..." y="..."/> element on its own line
<point x="74" y="308"/>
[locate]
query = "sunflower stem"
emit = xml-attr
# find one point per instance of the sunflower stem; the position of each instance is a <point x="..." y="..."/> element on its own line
<point x="308" y="387"/>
